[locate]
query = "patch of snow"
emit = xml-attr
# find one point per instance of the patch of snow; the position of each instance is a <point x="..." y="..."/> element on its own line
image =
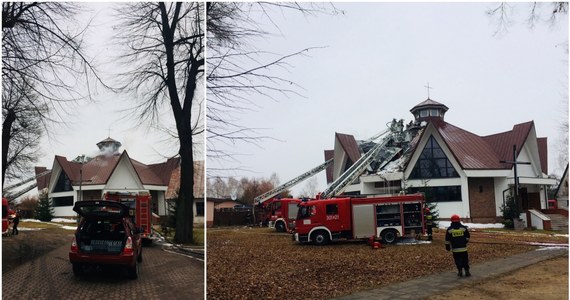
<point x="551" y="248"/>
<point x="63" y="220"/>
<point x="411" y="241"/>
<point x="446" y="224"/>
<point x="29" y="229"/>
<point x="32" y="220"/>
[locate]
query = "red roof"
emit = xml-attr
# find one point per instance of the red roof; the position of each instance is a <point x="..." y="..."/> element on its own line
<point x="470" y="150"/>
<point x="99" y="169"/>
<point x="475" y="152"/>
<point x="348" y="144"/>
<point x="174" y="180"/>
<point x="42" y="181"/>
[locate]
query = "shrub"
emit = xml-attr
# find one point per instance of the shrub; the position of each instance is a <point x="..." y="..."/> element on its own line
<point x="510" y="210"/>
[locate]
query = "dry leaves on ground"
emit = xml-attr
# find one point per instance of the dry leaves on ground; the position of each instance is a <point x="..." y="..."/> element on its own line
<point x="250" y="263"/>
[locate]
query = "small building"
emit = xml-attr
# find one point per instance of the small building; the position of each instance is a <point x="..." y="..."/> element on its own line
<point x="462" y="172"/>
<point x="88" y="178"/>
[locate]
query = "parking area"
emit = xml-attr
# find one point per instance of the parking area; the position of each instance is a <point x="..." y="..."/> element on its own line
<point x="163" y="275"/>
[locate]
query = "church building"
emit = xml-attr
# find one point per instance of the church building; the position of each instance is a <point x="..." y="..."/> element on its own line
<point x="462" y="172"/>
<point x="88" y="178"/>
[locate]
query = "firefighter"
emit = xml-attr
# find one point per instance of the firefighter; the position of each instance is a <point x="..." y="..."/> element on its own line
<point x="15" y="223"/>
<point x="456" y="239"/>
<point x="429" y="223"/>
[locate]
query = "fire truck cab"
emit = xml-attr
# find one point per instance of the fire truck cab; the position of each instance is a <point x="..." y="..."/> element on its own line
<point x="322" y="221"/>
<point x="139" y="204"/>
<point x="281" y="213"/>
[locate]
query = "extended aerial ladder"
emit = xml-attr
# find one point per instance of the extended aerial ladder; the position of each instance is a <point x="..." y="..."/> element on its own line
<point x="13" y="195"/>
<point x="345" y="179"/>
<point x="281" y="226"/>
<point x="270" y="194"/>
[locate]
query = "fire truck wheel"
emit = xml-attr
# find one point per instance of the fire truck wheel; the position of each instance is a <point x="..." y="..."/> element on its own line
<point x="320" y="237"/>
<point x="133" y="272"/>
<point x="280" y="227"/>
<point x="389" y="236"/>
<point x="77" y="269"/>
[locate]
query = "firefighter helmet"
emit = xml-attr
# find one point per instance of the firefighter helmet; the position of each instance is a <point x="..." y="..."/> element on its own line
<point x="455" y="218"/>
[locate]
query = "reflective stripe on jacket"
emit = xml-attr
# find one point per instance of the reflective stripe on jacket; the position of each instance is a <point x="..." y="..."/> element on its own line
<point x="457" y="235"/>
<point x="429" y="220"/>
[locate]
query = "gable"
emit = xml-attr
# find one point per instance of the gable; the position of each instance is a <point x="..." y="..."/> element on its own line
<point x="124" y="176"/>
<point x="431" y="133"/>
<point x="433" y="162"/>
<point x="346" y="152"/>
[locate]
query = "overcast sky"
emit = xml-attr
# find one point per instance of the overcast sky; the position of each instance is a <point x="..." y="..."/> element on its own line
<point x="376" y="64"/>
<point x="94" y="121"/>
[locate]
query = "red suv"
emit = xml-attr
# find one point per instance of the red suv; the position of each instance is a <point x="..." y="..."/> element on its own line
<point x="106" y="235"/>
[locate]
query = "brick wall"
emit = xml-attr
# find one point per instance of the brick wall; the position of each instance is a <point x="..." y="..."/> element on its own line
<point x="482" y="200"/>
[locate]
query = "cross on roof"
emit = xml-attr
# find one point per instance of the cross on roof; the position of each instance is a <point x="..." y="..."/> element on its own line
<point x="428" y="88"/>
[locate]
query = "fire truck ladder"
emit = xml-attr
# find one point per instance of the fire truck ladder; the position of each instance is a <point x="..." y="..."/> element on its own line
<point x="268" y="195"/>
<point x="346" y="178"/>
<point x="144" y="212"/>
<point x="14" y="195"/>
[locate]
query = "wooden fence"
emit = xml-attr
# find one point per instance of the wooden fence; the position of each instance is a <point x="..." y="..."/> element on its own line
<point x="231" y="217"/>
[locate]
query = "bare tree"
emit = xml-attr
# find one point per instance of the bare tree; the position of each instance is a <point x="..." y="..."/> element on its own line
<point x="537" y="12"/>
<point x="237" y="69"/>
<point x="219" y="187"/>
<point x="311" y="188"/>
<point x="21" y="130"/>
<point x="165" y="62"/>
<point x="44" y="68"/>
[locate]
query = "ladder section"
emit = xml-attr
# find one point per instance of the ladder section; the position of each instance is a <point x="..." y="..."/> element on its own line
<point x="268" y="195"/>
<point x="344" y="180"/>
<point x="143" y="213"/>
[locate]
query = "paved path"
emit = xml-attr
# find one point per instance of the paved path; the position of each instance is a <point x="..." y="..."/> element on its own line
<point x="162" y="275"/>
<point x="438" y="283"/>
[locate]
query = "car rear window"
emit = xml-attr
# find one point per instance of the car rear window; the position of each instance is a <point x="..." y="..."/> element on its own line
<point x="102" y="211"/>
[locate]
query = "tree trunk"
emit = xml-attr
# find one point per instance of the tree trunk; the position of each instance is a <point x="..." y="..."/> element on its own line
<point x="6" y="135"/>
<point x="185" y="204"/>
<point x="182" y="116"/>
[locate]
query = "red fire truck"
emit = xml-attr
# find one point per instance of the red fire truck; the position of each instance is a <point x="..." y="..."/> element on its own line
<point x="5" y="214"/>
<point x="322" y="221"/>
<point x="139" y="204"/>
<point x="281" y="213"/>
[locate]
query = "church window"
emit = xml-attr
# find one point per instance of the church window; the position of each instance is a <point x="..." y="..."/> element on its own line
<point x="433" y="163"/>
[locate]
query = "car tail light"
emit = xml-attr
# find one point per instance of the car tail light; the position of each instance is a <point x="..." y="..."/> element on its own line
<point x="128" y="250"/>
<point x="74" y="245"/>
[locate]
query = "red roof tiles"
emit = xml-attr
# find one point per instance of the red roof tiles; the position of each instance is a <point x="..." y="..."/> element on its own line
<point x="349" y="146"/>
<point x="99" y="169"/>
<point x="475" y="152"/>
